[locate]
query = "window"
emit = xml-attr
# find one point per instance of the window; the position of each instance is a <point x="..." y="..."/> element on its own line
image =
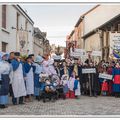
<point x="26" y="24"/>
<point x="4" y="16"/>
<point x="4" y="47"/>
<point x="17" y="26"/>
<point x="118" y="27"/>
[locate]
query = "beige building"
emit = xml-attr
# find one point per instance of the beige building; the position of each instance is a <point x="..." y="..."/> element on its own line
<point x="16" y="29"/>
<point x="98" y="24"/>
<point x="92" y="30"/>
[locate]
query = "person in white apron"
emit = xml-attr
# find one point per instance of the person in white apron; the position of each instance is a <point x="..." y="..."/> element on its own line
<point x="18" y="82"/>
<point x="29" y="79"/>
<point x="4" y="81"/>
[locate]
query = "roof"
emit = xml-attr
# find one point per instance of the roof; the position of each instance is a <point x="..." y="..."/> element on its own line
<point x="38" y="33"/>
<point x="23" y="13"/>
<point x="102" y="26"/>
<point x="71" y="33"/>
<point x="82" y="16"/>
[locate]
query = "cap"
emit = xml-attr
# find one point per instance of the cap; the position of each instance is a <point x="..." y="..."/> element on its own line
<point x="30" y="55"/>
<point x="17" y="53"/>
<point x="75" y="58"/>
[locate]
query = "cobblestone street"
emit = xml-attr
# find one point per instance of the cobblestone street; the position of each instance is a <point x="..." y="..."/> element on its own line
<point x="83" y="106"/>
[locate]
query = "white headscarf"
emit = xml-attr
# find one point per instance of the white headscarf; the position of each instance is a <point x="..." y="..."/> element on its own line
<point x="39" y="59"/>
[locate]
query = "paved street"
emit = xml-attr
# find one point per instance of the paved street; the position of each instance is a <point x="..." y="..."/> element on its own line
<point x="83" y="106"/>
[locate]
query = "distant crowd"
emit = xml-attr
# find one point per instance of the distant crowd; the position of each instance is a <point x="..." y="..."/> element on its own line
<point x="42" y="78"/>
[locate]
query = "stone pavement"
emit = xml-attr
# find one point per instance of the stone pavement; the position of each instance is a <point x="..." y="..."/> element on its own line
<point x="83" y="106"/>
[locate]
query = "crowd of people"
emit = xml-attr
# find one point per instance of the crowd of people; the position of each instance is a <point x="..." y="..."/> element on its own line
<point x="21" y="78"/>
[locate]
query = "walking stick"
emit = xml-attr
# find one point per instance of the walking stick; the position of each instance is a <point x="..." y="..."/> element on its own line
<point x="90" y="85"/>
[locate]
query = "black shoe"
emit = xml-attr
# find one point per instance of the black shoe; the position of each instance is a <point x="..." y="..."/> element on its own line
<point x="2" y="106"/>
<point x="21" y="103"/>
<point x="14" y="103"/>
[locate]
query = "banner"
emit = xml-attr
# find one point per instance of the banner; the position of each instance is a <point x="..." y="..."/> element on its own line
<point x="57" y="57"/>
<point x="78" y="53"/>
<point x="88" y="70"/>
<point x="115" y="44"/>
<point x="22" y="42"/>
<point x="105" y="76"/>
<point x="96" y="53"/>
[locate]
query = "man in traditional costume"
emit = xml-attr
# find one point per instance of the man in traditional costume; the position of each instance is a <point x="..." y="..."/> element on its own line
<point x="4" y="80"/>
<point x="18" y="82"/>
<point x="11" y="57"/>
<point x="63" y="68"/>
<point x="29" y="78"/>
<point x="56" y="65"/>
<point x="93" y="81"/>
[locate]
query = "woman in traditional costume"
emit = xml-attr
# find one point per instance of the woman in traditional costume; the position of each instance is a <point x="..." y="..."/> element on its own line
<point x="18" y="82"/>
<point x="4" y="80"/>
<point x="29" y="79"/>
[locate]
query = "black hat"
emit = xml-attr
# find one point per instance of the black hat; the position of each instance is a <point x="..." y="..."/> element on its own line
<point x="17" y="53"/>
<point x="63" y="60"/>
<point x="56" y="60"/>
<point x="30" y="55"/>
<point x="75" y="58"/>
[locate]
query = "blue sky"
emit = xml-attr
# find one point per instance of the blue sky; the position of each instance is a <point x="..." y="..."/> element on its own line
<point x="57" y="20"/>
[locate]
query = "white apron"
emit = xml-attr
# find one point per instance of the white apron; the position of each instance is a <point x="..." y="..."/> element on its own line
<point x="71" y="84"/>
<point x="30" y="82"/>
<point x="18" y="83"/>
<point x="77" y="91"/>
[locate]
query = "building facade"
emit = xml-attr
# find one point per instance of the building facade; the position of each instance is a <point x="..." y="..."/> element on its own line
<point x="16" y="30"/>
<point x="39" y="39"/>
<point x="94" y="28"/>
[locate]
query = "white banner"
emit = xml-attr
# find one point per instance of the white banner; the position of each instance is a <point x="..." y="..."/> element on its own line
<point x="114" y="41"/>
<point x="88" y="70"/>
<point x="56" y="57"/>
<point x="22" y="42"/>
<point x="96" y="53"/>
<point x="105" y="76"/>
<point x="78" y="53"/>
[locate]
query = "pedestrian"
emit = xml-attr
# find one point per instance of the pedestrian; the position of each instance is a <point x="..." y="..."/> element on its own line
<point x="29" y="79"/>
<point x="71" y="85"/>
<point x="4" y="80"/>
<point x="116" y="80"/>
<point x="64" y="69"/>
<point x="37" y="80"/>
<point x="11" y="57"/>
<point x="104" y="90"/>
<point x="18" y="82"/>
<point x="77" y="87"/>
<point x="110" y="82"/>
<point x="56" y="66"/>
<point x="64" y="82"/>
<point x="93" y="81"/>
<point x="46" y="65"/>
<point x="52" y="70"/>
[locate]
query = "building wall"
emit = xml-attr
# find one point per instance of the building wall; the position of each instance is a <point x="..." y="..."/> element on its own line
<point x="92" y="42"/>
<point x="99" y="16"/>
<point x="10" y="35"/>
<point x="38" y="49"/>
